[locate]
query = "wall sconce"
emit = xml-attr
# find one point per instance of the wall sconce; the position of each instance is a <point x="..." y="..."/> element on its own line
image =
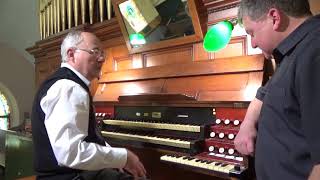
<point x="218" y="35"/>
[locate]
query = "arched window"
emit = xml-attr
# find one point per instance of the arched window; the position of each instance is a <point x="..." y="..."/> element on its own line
<point x="4" y="112"/>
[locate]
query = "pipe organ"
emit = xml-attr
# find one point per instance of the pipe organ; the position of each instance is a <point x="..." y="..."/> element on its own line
<point x="180" y="108"/>
<point x="184" y="118"/>
<point x="59" y="15"/>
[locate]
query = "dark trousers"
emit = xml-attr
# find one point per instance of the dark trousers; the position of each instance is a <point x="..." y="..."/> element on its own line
<point x="104" y="174"/>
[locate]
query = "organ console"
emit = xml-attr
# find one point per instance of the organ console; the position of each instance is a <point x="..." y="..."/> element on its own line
<point x="181" y="119"/>
<point x="182" y="129"/>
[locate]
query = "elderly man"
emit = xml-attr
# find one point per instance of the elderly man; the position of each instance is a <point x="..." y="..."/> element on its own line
<point x="66" y="143"/>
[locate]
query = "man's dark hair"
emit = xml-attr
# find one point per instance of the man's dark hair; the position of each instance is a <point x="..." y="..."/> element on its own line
<point x="255" y="9"/>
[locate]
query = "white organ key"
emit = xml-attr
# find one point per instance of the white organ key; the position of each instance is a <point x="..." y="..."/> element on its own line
<point x="180" y="127"/>
<point x="165" y="157"/>
<point x="231" y="151"/>
<point x="149" y="139"/>
<point x="200" y="163"/>
<point x="239" y="158"/>
<point x="221" y="135"/>
<point x="212" y="134"/>
<point x="211" y="148"/>
<point x="231" y="136"/>
<point x="218" y="121"/>
<point x="213" y="165"/>
<point x="227" y="168"/>
<point x="236" y="122"/>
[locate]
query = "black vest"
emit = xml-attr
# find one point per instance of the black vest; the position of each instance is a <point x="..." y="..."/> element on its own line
<point x="45" y="162"/>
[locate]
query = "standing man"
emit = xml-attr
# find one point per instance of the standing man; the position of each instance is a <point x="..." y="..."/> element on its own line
<point x="287" y="141"/>
<point x="66" y="143"/>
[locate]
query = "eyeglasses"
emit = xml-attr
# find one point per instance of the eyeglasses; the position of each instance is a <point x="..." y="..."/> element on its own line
<point x="95" y="52"/>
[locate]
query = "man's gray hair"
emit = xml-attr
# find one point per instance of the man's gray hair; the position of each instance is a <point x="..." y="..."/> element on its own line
<point x="255" y="9"/>
<point x="72" y="39"/>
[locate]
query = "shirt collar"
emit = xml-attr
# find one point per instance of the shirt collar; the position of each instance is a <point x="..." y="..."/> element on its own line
<point x="295" y="37"/>
<point x="84" y="79"/>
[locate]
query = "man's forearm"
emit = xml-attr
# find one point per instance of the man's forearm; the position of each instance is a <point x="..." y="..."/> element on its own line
<point x="253" y="112"/>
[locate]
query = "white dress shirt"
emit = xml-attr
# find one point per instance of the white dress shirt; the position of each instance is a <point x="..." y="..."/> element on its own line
<point x="66" y="107"/>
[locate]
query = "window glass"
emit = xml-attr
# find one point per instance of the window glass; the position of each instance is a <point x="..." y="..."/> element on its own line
<point x="4" y="112"/>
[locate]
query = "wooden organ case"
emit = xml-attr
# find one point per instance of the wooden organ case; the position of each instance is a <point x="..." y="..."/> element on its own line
<point x="181" y="119"/>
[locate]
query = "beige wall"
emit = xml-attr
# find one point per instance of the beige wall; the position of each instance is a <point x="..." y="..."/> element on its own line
<point x="19" y="30"/>
<point x="17" y="77"/>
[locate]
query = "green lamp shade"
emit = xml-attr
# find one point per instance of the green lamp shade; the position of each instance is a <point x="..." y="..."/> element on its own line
<point x="218" y="36"/>
<point x="137" y="39"/>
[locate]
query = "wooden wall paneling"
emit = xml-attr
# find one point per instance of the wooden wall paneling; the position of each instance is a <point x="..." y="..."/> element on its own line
<point x="246" y="92"/>
<point x="218" y="66"/>
<point x="122" y="63"/>
<point x="171" y="56"/>
<point x="227" y="79"/>
<point x="55" y="64"/>
<point x="42" y="68"/>
<point x="254" y="82"/>
<point x="108" y="63"/>
<point x="218" y="15"/>
<point x="227" y="96"/>
<point x="94" y="86"/>
<point x="54" y="60"/>
<point x="315" y="6"/>
<point x="108" y="32"/>
<point x="199" y="53"/>
<point x="219" y="4"/>
<point x="46" y="66"/>
<point x="111" y="91"/>
<point x="199" y="84"/>
<point x="116" y="55"/>
<point x="219" y="11"/>
<point x="236" y="47"/>
<point x="137" y="61"/>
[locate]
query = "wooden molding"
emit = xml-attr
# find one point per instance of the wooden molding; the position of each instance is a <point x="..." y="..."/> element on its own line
<point x="217" y="66"/>
<point x="219" y="5"/>
<point x="104" y="31"/>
